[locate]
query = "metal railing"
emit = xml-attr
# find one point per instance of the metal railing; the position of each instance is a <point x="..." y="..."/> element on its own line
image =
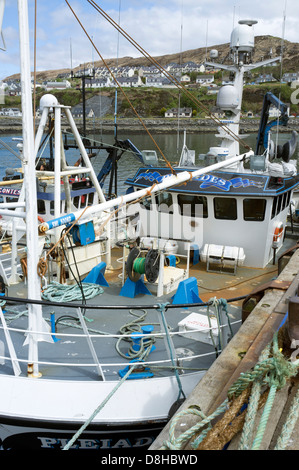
<point x="171" y="359"/>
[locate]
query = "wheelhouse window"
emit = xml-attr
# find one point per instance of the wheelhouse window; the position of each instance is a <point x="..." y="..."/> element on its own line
<point x="274" y="205"/>
<point x="225" y="208"/>
<point x="254" y="209"/>
<point x="194" y="206"/>
<point x="280" y="203"/>
<point x="41" y="208"/>
<point x="146" y="202"/>
<point x="164" y="202"/>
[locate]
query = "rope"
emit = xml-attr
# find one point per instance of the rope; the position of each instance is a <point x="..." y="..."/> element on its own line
<point x="165" y="72"/>
<point x="252" y="407"/>
<point x="135" y="327"/>
<point x="177" y="443"/>
<point x="289" y="425"/>
<point x="122" y="90"/>
<point x="272" y="372"/>
<point x="100" y="407"/>
<point x="264" y="419"/>
<point x="161" y="308"/>
<point x="56" y="292"/>
<point x="219" y="305"/>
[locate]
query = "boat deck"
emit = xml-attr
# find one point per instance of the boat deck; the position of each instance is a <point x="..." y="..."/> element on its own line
<point x="102" y="353"/>
<point x="76" y="352"/>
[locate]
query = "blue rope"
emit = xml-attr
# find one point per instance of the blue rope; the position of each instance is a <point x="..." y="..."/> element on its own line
<point x="161" y="309"/>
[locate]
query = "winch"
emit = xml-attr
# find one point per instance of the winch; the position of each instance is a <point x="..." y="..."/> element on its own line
<point x="137" y="264"/>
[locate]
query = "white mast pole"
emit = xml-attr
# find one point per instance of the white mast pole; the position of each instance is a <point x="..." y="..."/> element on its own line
<point x="34" y="311"/>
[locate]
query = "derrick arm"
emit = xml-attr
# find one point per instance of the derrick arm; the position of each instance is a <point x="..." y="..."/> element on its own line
<point x="262" y="138"/>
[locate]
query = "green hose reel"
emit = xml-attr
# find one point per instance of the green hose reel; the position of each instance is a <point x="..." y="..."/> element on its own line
<point x="137" y="265"/>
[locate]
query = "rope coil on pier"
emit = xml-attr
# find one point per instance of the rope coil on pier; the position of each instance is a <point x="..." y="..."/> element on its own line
<point x="252" y="390"/>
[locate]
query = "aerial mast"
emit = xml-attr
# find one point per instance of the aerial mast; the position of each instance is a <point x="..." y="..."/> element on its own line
<point x="36" y="322"/>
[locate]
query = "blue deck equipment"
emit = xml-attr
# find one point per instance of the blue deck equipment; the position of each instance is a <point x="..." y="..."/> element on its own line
<point x="131" y="288"/>
<point x="97" y="275"/>
<point x="187" y="292"/>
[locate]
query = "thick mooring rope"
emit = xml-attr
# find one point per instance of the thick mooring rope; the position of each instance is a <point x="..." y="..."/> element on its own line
<point x="272" y="371"/>
<point x="289" y="425"/>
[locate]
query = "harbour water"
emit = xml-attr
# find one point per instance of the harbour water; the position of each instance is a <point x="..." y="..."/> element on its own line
<point x="170" y="144"/>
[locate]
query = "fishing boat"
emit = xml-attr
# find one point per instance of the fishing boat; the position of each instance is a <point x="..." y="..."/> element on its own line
<point x="112" y="322"/>
<point x="242" y="208"/>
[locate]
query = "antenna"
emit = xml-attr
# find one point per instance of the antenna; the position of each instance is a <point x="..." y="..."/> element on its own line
<point x="71" y="54"/>
<point x="281" y="63"/>
<point x="2" y="6"/>
<point x="117" y="54"/>
<point x="179" y="97"/>
<point x="282" y="39"/>
<point x="207" y="32"/>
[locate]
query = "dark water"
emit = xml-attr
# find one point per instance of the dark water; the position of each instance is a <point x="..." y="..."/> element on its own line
<point x="170" y="144"/>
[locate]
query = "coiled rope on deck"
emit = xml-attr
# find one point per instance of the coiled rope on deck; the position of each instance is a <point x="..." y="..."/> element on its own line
<point x="135" y="327"/>
<point x="56" y="292"/>
<point x="272" y="371"/>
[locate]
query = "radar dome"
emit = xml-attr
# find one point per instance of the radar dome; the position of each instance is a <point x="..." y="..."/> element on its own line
<point x="228" y="97"/>
<point x="214" y="54"/>
<point x="47" y="100"/>
<point x="242" y="37"/>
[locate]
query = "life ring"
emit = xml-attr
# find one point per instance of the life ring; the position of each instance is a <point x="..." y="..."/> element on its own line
<point x="278" y="232"/>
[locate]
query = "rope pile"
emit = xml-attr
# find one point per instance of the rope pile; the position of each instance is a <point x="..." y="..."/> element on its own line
<point x="135" y="327"/>
<point x="56" y="292"/>
<point x="253" y="390"/>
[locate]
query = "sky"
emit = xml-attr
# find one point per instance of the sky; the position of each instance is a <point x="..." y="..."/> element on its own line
<point x="159" y="26"/>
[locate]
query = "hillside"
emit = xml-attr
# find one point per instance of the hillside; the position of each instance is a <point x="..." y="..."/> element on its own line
<point x="263" y="46"/>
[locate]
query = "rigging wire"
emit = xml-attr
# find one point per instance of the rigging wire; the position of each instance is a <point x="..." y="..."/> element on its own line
<point x="34" y="86"/>
<point x="117" y="57"/>
<point x="281" y="65"/>
<point x="121" y="88"/>
<point x="165" y="72"/>
<point x="179" y="101"/>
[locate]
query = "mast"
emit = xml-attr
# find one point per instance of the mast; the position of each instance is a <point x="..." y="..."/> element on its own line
<point x="36" y="322"/>
<point x="229" y="98"/>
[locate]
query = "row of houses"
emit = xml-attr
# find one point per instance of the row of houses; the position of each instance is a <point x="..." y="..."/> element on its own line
<point x="146" y="76"/>
<point x="13" y="112"/>
<point x="129" y="71"/>
<point x="157" y="81"/>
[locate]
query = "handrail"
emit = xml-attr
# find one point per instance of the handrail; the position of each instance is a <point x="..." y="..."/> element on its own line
<point x="112" y="335"/>
<point x="112" y="307"/>
<point x="171" y="359"/>
<point x="100" y="366"/>
<point x="109" y="364"/>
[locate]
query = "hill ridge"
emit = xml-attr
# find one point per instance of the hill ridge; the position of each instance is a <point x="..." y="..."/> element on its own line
<point x="265" y="47"/>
